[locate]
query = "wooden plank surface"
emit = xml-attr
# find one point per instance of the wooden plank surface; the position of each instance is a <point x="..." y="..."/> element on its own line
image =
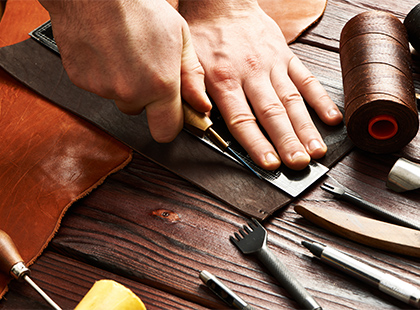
<point x="154" y="232"/>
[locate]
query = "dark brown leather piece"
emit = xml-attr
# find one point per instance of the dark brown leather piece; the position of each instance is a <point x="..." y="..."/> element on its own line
<point x="41" y="69"/>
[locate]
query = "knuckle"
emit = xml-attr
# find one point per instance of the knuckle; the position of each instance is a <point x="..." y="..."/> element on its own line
<point x="272" y="111"/>
<point x="225" y="75"/>
<point x="309" y="80"/>
<point x="306" y="126"/>
<point x="288" y="141"/>
<point x="241" y="120"/>
<point x="253" y="64"/>
<point x="291" y="99"/>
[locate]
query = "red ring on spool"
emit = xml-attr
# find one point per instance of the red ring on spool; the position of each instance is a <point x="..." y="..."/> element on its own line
<point x="383" y="127"/>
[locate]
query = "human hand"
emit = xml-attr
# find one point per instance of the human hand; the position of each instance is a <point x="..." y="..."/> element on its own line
<point x="138" y="53"/>
<point x="250" y="70"/>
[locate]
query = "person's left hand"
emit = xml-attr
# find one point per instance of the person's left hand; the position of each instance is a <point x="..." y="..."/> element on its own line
<point x="250" y="70"/>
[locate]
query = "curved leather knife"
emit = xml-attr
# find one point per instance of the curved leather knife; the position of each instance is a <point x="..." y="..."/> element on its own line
<point x="376" y="234"/>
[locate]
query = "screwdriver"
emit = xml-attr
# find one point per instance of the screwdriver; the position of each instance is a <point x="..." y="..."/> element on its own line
<point x="12" y="263"/>
<point x="200" y="125"/>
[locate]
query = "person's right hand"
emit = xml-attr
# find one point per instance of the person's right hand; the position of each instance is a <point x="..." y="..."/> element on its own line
<point x="138" y="53"/>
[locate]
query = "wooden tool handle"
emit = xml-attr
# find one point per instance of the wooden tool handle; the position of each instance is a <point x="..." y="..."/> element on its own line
<point x="9" y="254"/>
<point x="377" y="234"/>
<point x="196" y="122"/>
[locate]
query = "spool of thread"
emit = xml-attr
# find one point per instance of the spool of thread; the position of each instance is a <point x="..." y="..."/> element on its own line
<point x="412" y="24"/>
<point x="379" y="97"/>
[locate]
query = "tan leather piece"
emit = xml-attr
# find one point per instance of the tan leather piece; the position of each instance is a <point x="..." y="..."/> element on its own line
<point x="293" y="16"/>
<point x="48" y="157"/>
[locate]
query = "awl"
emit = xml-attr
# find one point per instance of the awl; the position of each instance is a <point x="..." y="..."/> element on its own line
<point x="201" y="125"/>
<point x="12" y="263"/>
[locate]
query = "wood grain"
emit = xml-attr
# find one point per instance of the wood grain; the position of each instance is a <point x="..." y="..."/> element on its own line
<point x="66" y="281"/>
<point x="154" y="232"/>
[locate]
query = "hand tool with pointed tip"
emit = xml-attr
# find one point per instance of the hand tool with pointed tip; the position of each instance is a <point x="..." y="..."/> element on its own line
<point x="12" y="263"/>
<point x="352" y="197"/>
<point x="200" y="125"/>
<point x="385" y="282"/>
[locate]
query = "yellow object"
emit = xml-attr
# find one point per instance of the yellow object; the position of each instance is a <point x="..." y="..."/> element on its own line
<point x="110" y="295"/>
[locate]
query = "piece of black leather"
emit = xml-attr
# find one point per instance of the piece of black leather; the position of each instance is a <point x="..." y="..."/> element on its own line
<point x="41" y="70"/>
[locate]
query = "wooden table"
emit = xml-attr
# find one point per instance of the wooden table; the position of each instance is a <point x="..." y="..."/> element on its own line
<point x="167" y="230"/>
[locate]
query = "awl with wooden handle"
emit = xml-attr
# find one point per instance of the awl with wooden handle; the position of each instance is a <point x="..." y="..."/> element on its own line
<point x="12" y="263"/>
<point x="201" y="125"/>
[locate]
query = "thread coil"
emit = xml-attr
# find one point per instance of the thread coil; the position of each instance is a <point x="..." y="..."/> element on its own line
<point x="380" y="108"/>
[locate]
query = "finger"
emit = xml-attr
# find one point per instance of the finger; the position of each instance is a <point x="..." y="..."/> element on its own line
<point x="233" y="106"/>
<point x="299" y="116"/>
<point x="193" y="89"/>
<point x="165" y="119"/>
<point x="274" y="117"/>
<point x="314" y="93"/>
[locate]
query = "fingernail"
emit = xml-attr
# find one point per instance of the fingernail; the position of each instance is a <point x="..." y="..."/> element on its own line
<point x="333" y="113"/>
<point x="271" y="158"/>
<point x="299" y="155"/>
<point x="315" y="145"/>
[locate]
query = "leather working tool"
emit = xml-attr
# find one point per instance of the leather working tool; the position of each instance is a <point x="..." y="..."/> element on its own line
<point x="364" y="230"/>
<point x="201" y="125"/>
<point x="224" y="293"/>
<point x="356" y="199"/>
<point x="385" y="282"/>
<point x="404" y="176"/>
<point x="253" y="240"/>
<point x="12" y="263"/>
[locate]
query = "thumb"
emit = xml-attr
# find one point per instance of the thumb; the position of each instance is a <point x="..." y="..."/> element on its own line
<point x="193" y="89"/>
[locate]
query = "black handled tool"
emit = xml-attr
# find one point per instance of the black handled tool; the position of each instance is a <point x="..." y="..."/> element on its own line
<point x="224" y="292"/>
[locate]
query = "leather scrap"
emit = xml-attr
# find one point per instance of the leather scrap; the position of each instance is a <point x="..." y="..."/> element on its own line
<point x="49" y="158"/>
<point x="293" y="16"/>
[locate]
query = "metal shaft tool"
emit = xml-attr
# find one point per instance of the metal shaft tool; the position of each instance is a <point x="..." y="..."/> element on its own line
<point x="200" y="125"/>
<point x="357" y="200"/>
<point x="12" y="263"/>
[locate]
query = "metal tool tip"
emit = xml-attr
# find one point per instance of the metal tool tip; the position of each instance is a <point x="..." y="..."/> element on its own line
<point x="205" y="276"/>
<point x="306" y="244"/>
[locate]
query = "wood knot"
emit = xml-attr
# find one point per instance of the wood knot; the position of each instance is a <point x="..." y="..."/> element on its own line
<point x="166" y="215"/>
